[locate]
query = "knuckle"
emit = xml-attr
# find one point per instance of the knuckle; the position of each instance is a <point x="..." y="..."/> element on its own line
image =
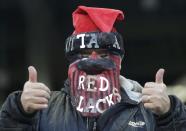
<point x="155" y="97"/>
<point x="26" y="91"/>
<point x="164" y="87"/>
<point x="45" y="94"/>
<point x="159" y="97"/>
<point x="41" y="84"/>
<point x="44" y="100"/>
<point x="146" y="84"/>
<point x="149" y="84"/>
<point x="146" y="105"/>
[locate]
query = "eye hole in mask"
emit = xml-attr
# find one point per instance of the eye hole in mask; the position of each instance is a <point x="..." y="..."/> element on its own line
<point x="88" y="55"/>
<point x="95" y="61"/>
<point x="101" y="53"/>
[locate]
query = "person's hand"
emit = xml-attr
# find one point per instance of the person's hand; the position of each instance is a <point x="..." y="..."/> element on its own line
<point x="154" y="95"/>
<point x="35" y="95"/>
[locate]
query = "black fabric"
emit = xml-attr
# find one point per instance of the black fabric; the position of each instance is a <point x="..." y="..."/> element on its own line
<point x="61" y="116"/>
<point x="175" y="118"/>
<point x="93" y="67"/>
<point x="101" y="40"/>
<point x="115" y="110"/>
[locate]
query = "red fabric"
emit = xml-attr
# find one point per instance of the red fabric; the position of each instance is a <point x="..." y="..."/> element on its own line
<point x="113" y="90"/>
<point x="88" y="19"/>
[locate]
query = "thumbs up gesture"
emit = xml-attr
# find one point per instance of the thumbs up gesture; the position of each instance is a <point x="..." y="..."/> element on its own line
<point x="154" y="95"/>
<point x="35" y="95"/>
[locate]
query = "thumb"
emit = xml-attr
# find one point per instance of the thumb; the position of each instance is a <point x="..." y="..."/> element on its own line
<point x="32" y="74"/>
<point x="159" y="76"/>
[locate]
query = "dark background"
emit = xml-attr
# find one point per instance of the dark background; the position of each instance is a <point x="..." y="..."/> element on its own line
<point x="33" y="33"/>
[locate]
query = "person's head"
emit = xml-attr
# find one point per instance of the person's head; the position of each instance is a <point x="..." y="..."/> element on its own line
<point x="94" y="29"/>
<point x="95" y="50"/>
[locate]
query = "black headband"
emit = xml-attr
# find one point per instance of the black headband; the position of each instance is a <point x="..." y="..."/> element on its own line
<point x="94" y="40"/>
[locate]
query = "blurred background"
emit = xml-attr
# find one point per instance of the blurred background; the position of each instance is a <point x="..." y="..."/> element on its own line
<point x="34" y="32"/>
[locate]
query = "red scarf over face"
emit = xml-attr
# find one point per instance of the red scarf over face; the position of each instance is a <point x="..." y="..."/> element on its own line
<point x="93" y="93"/>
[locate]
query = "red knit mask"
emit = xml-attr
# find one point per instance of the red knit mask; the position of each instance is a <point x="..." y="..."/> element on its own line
<point x="94" y="83"/>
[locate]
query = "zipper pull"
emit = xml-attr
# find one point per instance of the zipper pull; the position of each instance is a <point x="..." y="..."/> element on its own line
<point x="87" y="123"/>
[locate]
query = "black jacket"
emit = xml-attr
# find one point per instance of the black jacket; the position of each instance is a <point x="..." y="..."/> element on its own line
<point x="127" y="115"/>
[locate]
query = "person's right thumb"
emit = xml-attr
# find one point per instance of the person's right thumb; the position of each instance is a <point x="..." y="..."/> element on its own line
<point x="32" y="74"/>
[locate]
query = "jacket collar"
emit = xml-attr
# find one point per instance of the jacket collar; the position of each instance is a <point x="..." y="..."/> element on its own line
<point x="132" y="88"/>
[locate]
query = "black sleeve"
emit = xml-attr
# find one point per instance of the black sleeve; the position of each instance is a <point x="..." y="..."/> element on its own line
<point x="13" y="117"/>
<point x="175" y="119"/>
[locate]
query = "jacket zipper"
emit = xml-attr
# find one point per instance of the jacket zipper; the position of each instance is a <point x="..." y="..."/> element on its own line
<point x="95" y="125"/>
<point x="88" y="124"/>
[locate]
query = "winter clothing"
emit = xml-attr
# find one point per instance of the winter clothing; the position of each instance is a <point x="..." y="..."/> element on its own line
<point x="128" y="115"/>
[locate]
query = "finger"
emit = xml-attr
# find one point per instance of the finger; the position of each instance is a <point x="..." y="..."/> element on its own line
<point x="32" y="74"/>
<point x="40" y="93"/>
<point x="39" y="100"/>
<point x="159" y="76"/>
<point x="145" y="99"/>
<point x="38" y="106"/>
<point x="148" y="91"/>
<point x="149" y="106"/>
<point x="150" y="84"/>
<point x="40" y="86"/>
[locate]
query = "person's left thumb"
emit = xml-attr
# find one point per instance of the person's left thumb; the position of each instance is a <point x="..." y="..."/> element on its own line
<point x="159" y="76"/>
